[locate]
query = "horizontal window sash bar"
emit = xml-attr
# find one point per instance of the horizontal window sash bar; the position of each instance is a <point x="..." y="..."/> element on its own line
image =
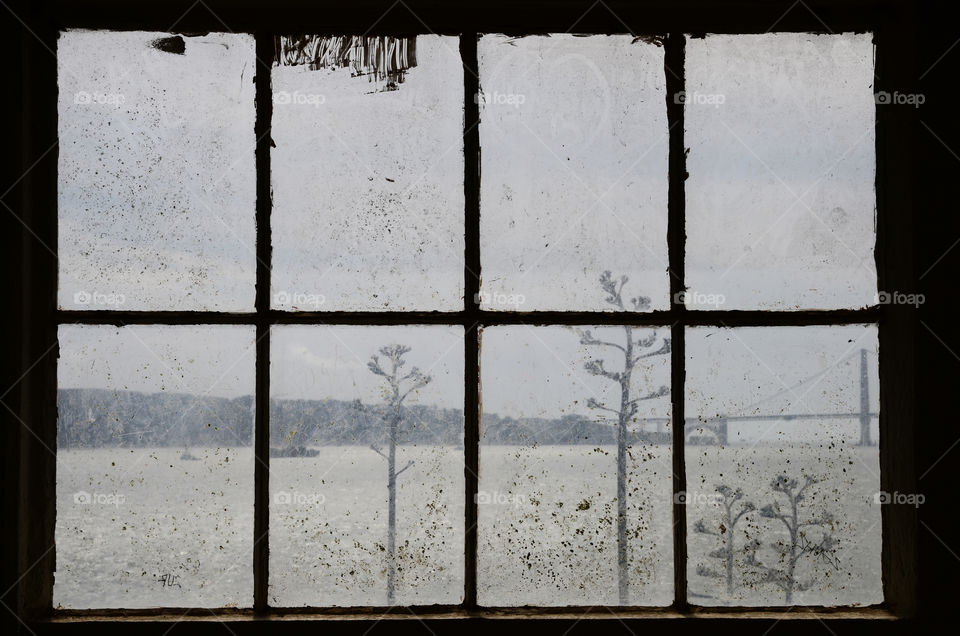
<point x="694" y="318"/>
<point x="458" y="612"/>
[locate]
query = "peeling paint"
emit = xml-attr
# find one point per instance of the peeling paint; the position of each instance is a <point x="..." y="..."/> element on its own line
<point x="379" y="57"/>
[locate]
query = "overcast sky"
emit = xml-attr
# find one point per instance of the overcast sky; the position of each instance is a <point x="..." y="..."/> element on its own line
<point x="368" y="201"/>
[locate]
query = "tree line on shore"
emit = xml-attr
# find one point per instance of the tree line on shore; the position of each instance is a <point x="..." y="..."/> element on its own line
<point x="102" y="417"/>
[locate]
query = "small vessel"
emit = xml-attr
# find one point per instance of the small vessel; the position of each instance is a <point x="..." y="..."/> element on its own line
<point x="294" y="451"/>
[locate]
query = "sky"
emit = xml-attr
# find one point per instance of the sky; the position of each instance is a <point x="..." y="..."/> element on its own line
<point x="157" y="184"/>
<point x="368" y="201"/>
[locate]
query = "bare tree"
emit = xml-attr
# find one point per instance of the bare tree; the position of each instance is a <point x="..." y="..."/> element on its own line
<point x="395" y="394"/>
<point x="631" y="351"/>
<point x="725" y="531"/>
<point x="799" y="543"/>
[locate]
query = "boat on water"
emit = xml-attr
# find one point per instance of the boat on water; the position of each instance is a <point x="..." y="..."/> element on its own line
<point x="294" y="451"/>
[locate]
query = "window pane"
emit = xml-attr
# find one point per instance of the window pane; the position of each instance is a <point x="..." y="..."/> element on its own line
<point x="780" y="197"/>
<point x="783" y="470"/>
<point x="351" y="406"/>
<point x="368" y="174"/>
<point x="551" y="480"/>
<point x="574" y="143"/>
<point x="156" y="171"/>
<point x="154" y="467"/>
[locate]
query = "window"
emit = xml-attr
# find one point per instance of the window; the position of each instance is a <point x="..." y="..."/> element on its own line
<point x="284" y="385"/>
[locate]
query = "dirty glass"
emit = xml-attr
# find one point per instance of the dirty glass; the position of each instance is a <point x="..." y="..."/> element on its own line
<point x="156" y="196"/>
<point x="154" y="467"/>
<point x="366" y="469"/>
<point x="367" y="174"/>
<point x="156" y="181"/>
<point x="783" y="474"/>
<point x="574" y="139"/>
<point x="780" y="196"/>
<point x="571" y="512"/>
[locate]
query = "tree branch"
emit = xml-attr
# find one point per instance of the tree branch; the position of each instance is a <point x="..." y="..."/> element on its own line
<point x="664" y="349"/>
<point x="611" y="287"/>
<point x="374" y="366"/>
<point x="809" y="482"/>
<point x="594" y="404"/>
<point x="747" y="508"/>
<point x="663" y="390"/>
<point x="424" y="381"/>
<point x="769" y="512"/>
<point x="595" y="367"/>
<point x="587" y="338"/>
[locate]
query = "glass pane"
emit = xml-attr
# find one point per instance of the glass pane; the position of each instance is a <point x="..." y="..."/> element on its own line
<point x="156" y="171"/>
<point x="780" y="197"/>
<point x="575" y="486"/>
<point x="368" y="174"/>
<point x="574" y="138"/>
<point x="366" y="475"/>
<point x="154" y="467"/>
<point x="783" y="469"/>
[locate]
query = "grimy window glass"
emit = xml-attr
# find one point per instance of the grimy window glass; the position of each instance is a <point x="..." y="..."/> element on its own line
<point x="574" y="137"/>
<point x="368" y="174"/>
<point x="279" y="259"/>
<point x="781" y="210"/>
<point x="154" y="466"/>
<point x="553" y="475"/>
<point x="156" y="187"/>
<point x="783" y="471"/>
<point x="366" y="430"/>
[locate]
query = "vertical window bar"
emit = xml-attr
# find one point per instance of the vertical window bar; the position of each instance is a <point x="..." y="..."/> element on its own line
<point x="261" y="519"/>
<point x="471" y="289"/>
<point x="37" y="420"/>
<point x="676" y="241"/>
<point x="894" y="256"/>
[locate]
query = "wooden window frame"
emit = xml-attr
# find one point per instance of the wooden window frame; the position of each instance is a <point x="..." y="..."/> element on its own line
<point x="33" y="277"/>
